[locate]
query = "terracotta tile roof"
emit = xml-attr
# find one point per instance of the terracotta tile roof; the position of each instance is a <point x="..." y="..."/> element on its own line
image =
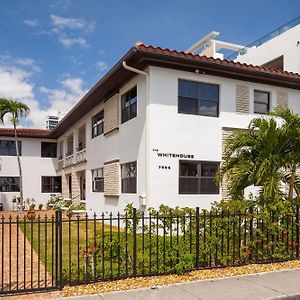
<point x="204" y="58"/>
<point x="25" y="132"/>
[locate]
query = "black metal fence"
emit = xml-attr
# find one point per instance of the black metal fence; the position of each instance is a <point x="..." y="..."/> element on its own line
<point x="50" y="252"/>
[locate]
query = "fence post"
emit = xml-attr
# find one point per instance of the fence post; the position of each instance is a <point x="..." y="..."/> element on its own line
<point x="134" y="223"/>
<point x="251" y="231"/>
<point x="297" y="230"/>
<point x="58" y="248"/>
<point x="197" y="237"/>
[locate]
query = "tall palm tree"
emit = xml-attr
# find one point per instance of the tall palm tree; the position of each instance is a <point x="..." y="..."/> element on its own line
<point x="257" y="156"/>
<point x="16" y="110"/>
<point x="291" y="129"/>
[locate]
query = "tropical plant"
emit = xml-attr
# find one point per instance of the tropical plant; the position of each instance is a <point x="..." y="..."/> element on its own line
<point x="265" y="155"/>
<point x="291" y="129"/>
<point x="16" y="110"/>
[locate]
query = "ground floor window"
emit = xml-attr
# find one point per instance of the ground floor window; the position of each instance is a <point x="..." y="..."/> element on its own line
<point x="128" y="177"/>
<point x="51" y="184"/>
<point x="198" y="177"/>
<point x="9" y="184"/>
<point x="98" y="180"/>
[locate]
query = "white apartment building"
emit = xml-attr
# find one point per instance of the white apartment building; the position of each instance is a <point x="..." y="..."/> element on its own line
<point x="150" y="132"/>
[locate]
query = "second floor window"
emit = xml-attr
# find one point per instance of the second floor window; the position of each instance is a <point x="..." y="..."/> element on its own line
<point x="98" y="180"/>
<point x="9" y="184"/>
<point x="8" y="148"/>
<point x="198" y="98"/>
<point x="261" y="102"/>
<point x="98" y="124"/>
<point x="129" y="105"/>
<point x="51" y="184"/>
<point x="129" y="175"/>
<point x="48" y="149"/>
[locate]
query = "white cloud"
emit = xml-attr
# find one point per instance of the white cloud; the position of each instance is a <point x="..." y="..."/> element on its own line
<point x="16" y="84"/>
<point x="68" y="30"/>
<point x="101" y="65"/>
<point x="68" y="42"/>
<point x="31" y="23"/>
<point x="72" y="23"/>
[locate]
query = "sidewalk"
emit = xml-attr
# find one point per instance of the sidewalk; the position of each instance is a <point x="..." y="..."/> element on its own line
<point x="272" y="285"/>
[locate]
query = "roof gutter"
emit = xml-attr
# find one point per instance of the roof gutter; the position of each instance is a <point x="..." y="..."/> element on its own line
<point x="146" y="196"/>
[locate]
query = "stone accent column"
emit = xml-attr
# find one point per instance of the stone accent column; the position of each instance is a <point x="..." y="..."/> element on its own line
<point x="75" y="187"/>
<point x="111" y="115"/>
<point x="282" y="99"/>
<point x="225" y="133"/>
<point x="64" y="186"/>
<point x="242" y="94"/>
<point x="111" y="178"/>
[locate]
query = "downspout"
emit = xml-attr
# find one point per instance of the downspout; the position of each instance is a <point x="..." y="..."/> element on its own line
<point x="147" y="123"/>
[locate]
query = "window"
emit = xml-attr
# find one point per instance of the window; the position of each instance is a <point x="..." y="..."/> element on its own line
<point x="51" y="184"/>
<point x="98" y="180"/>
<point x="198" y="177"/>
<point x="48" y="149"/>
<point x="129" y="105"/>
<point x="129" y="175"/>
<point x="98" y="124"/>
<point x="261" y="102"/>
<point x="9" y="184"/>
<point x="8" y="148"/>
<point x="198" y="98"/>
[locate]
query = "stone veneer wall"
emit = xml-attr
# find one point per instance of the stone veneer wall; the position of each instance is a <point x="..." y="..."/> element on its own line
<point x="111" y="178"/>
<point x="64" y="186"/>
<point x="75" y="187"/>
<point x="242" y="98"/>
<point x="225" y="133"/>
<point x="111" y="114"/>
<point x="282" y="98"/>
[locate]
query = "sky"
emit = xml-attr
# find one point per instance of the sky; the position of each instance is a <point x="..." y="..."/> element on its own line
<point x="53" y="51"/>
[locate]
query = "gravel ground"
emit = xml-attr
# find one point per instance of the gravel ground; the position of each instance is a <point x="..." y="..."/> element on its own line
<point x="153" y="281"/>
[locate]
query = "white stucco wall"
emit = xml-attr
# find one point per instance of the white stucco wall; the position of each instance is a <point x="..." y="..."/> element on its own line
<point x="286" y="44"/>
<point x="33" y="167"/>
<point x="201" y="136"/>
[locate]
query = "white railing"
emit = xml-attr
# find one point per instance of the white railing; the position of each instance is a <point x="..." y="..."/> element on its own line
<point x="60" y="164"/>
<point x="81" y="156"/>
<point x="69" y="160"/>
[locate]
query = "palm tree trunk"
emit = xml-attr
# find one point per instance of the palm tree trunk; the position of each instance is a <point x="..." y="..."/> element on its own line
<point x="20" y="167"/>
<point x="292" y="181"/>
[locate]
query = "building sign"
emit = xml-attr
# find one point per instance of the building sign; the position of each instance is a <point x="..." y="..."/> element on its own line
<point x="175" y="155"/>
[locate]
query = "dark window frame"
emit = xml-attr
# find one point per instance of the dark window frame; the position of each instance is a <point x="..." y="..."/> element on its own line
<point x="51" y="151"/>
<point x="129" y="182"/>
<point x="50" y="186"/>
<point x="129" y="102"/>
<point x="11" y="185"/>
<point x="200" y="188"/>
<point x="198" y="98"/>
<point x="12" y="149"/>
<point x="268" y="105"/>
<point x="98" y="182"/>
<point x="98" y="124"/>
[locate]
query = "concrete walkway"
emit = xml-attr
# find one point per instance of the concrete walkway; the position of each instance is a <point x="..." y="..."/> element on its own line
<point x="272" y="285"/>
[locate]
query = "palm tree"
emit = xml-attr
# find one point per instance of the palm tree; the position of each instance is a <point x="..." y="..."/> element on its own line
<point x="16" y="110"/>
<point x="291" y="129"/>
<point x="265" y="155"/>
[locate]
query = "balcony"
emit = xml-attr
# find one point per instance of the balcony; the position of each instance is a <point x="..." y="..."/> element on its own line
<point x="81" y="155"/>
<point x="69" y="159"/>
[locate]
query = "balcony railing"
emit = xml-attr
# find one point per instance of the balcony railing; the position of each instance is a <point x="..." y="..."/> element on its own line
<point x="69" y="160"/>
<point x="81" y="156"/>
<point x="266" y="38"/>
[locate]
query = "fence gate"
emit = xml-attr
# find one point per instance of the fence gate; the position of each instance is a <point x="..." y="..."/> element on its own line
<point x="30" y="255"/>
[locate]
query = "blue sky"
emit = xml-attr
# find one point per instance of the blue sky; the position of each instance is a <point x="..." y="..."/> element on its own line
<point x="52" y="52"/>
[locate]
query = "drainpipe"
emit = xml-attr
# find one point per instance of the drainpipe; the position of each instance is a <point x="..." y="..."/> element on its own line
<point x="147" y="123"/>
